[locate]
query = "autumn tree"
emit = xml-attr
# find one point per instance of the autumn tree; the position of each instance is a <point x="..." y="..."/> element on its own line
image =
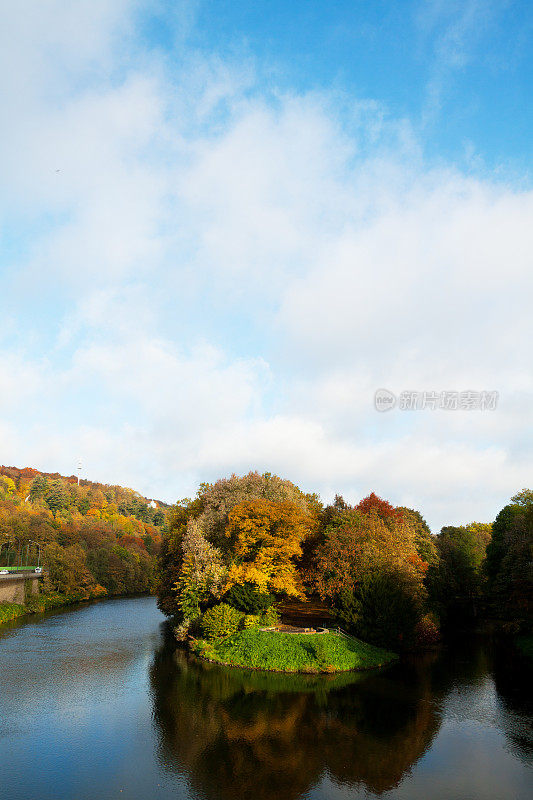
<point x="219" y="498"/>
<point x="7" y="488"/>
<point x="370" y="570"/>
<point x="66" y="570"/>
<point x="202" y="571"/>
<point x="380" y="508"/>
<point x="211" y="508"/>
<point x="266" y="539"/>
<point x="84" y="521"/>
<point x="425" y="543"/>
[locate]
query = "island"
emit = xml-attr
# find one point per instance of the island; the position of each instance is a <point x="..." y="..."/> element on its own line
<point x="278" y="650"/>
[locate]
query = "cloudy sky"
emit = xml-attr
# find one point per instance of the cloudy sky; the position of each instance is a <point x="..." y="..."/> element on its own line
<point x="224" y="225"/>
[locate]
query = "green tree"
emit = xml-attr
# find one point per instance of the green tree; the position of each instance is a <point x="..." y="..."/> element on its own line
<point x="456" y="579"/>
<point x="170" y="559"/>
<point x="202" y="572"/>
<point x="57" y="496"/>
<point x="39" y="488"/>
<point x="509" y="564"/>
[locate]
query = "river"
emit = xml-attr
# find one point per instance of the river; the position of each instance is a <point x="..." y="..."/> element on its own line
<point x="96" y="703"/>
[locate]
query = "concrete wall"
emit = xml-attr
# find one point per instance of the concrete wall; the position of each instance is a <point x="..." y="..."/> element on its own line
<point x="12" y="587"/>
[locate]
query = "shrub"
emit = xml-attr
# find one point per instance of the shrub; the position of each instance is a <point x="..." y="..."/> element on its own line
<point x="246" y="597"/>
<point x="9" y="611"/>
<point x="220" y="621"/>
<point x="250" y="621"/>
<point x="269" y="618"/>
<point x="426" y="632"/>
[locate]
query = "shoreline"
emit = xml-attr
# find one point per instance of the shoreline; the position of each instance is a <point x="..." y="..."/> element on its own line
<point x="291" y="655"/>
<point x="57" y="604"/>
<point x="295" y="671"/>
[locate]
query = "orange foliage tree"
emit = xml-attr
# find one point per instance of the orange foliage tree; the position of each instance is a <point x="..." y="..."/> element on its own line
<point x="381" y="508"/>
<point x="266" y="539"/>
<point x="360" y="543"/>
<point x="369" y="568"/>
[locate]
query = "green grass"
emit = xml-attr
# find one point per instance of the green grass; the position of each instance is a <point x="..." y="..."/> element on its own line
<point x="329" y="652"/>
<point x="525" y="644"/>
<point x="9" y="611"/>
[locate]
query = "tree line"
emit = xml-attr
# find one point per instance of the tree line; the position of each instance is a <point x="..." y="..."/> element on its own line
<point x="248" y="542"/>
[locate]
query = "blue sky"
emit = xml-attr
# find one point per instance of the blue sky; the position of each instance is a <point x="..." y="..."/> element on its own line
<point x="224" y="225"/>
<point x="460" y="71"/>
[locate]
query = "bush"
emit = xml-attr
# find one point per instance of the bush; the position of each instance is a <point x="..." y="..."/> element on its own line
<point x="269" y="618"/>
<point x="426" y="632"/>
<point x="250" y="621"/>
<point x="220" y="621"/>
<point x="9" y="611"/>
<point x="383" y="609"/>
<point x="247" y="598"/>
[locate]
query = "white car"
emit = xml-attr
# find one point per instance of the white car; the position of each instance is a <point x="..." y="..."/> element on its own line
<point x="4" y="572"/>
<point x="38" y="569"/>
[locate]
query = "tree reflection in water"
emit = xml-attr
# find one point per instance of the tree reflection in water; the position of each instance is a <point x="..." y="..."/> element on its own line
<point x="512" y="677"/>
<point x="241" y="733"/>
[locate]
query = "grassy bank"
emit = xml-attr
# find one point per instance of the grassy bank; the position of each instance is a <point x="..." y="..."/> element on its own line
<point x="10" y="611"/>
<point x="285" y="652"/>
<point x="39" y="603"/>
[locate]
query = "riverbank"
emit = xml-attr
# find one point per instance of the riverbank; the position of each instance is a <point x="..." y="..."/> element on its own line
<point x="285" y="652"/>
<point x="48" y="602"/>
<point x="40" y="603"/>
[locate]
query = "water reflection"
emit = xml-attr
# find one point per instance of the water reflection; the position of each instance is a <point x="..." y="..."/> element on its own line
<point x="240" y="733"/>
<point x="512" y="678"/>
<point x="97" y="703"/>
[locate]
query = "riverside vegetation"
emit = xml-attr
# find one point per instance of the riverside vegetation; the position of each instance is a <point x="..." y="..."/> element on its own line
<point x="225" y="562"/>
<point x="245" y="544"/>
<point x="93" y="539"/>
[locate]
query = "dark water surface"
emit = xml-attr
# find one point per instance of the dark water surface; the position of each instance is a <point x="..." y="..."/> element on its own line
<point x="95" y="703"/>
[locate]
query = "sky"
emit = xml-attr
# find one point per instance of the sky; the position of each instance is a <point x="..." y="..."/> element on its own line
<point x="224" y="225"/>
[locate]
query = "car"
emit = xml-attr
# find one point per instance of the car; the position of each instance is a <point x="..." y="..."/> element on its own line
<point x="4" y="572"/>
<point x="38" y="569"/>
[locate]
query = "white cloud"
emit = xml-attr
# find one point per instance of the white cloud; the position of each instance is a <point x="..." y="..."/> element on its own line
<point x="229" y="274"/>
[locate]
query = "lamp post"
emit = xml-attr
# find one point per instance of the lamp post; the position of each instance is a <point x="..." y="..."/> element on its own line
<point x="38" y="546"/>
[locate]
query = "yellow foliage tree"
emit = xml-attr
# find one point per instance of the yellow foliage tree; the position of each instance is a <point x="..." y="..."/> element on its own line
<point x="7" y="488"/>
<point x="266" y="538"/>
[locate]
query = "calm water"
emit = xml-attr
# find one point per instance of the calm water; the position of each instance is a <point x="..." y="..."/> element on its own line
<point x="95" y="703"/>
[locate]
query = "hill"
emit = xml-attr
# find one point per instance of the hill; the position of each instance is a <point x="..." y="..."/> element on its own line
<point x="93" y="538"/>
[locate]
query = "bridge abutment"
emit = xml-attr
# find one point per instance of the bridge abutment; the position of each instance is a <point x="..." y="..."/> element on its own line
<point x="17" y="588"/>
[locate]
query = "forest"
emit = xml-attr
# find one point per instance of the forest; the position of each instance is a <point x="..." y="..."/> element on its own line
<point x="92" y="539"/>
<point x="244" y="547"/>
<point x="239" y="553"/>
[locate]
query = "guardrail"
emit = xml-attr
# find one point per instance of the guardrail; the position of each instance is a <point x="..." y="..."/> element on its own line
<point x="21" y="569"/>
<point x="22" y="573"/>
